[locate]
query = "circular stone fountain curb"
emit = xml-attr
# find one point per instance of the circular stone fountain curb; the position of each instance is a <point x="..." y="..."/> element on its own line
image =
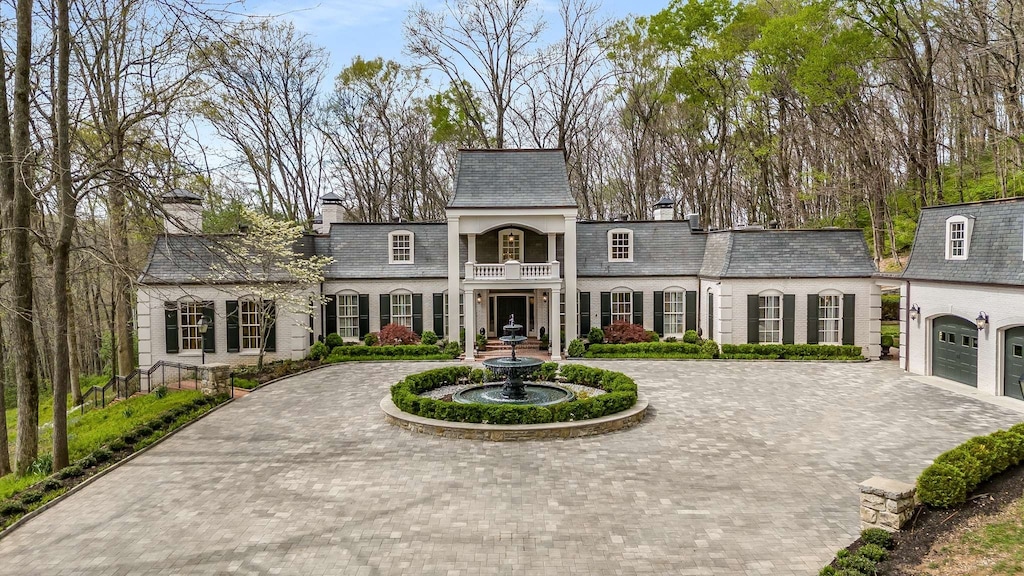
<point x="511" y="432"/>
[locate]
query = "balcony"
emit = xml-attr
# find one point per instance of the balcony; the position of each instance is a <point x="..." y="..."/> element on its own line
<point x="513" y="270"/>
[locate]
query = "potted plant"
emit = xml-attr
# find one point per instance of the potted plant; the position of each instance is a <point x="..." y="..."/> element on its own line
<point x="886" y="345"/>
<point x="481" y="342"/>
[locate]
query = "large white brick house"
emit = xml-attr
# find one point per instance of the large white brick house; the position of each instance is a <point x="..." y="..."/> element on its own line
<point x="963" y="296"/>
<point x="512" y="243"/>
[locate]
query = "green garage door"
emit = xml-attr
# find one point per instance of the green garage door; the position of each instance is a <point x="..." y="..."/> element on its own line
<point x="1014" y="362"/>
<point x="955" y="349"/>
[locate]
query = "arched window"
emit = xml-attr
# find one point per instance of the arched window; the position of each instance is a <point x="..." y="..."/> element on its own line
<point x="401" y="247"/>
<point x="620" y="245"/>
<point x="510" y="244"/>
<point x="769" y="315"/>
<point x="675" y="311"/>
<point x="830" y="317"/>
<point x="958" y="237"/>
<point x="401" y="308"/>
<point x="622" y="305"/>
<point x="348" y="314"/>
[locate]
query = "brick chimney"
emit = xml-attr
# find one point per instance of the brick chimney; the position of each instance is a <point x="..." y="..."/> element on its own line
<point x="331" y="211"/>
<point x="665" y="209"/>
<point x="183" y="212"/>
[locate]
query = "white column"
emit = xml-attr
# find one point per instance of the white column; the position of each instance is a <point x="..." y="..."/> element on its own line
<point x="552" y="251"/>
<point x="471" y="239"/>
<point x="554" y="325"/>
<point x="569" y="271"/>
<point x="453" y="279"/>
<point x="470" y="325"/>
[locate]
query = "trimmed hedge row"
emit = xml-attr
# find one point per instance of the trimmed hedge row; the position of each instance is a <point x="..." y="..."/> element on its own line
<point x="790" y="351"/>
<point x="643" y="348"/>
<point x="404" y="352"/>
<point x="957" y="472"/>
<point x="621" y="394"/>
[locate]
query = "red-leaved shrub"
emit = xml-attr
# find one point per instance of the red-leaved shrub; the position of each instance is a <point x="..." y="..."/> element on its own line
<point x="396" y="334"/>
<point x="624" y="333"/>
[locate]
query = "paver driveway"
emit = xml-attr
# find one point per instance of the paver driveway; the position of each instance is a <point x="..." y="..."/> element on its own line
<point x="741" y="468"/>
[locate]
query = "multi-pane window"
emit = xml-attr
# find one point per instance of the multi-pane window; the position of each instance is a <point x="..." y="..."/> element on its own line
<point x="348" y="315"/>
<point x="249" y="324"/>
<point x="401" y="247"/>
<point x="511" y="245"/>
<point x="622" y="307"/>
<point x="619" y="248"/>
<point x="190" y="313"/>
<point x="769" y="320"/>
<point x="462" y="311"/>
<point x="401" y="309"/>
<point x="675" y="310"/>
<point x="956" y="239"/>
<point x="828" y="319"/>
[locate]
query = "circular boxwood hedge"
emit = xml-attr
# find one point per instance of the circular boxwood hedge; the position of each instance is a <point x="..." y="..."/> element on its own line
<point x="621" y="394"/>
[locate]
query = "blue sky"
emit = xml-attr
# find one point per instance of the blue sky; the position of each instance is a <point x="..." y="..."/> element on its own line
<point x="347" y="28"/>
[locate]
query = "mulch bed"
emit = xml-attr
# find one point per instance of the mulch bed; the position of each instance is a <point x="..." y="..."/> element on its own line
<point x="927" y="525"/>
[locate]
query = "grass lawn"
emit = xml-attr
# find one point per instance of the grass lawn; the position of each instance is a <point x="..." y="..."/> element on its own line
<point x="97" y="427"/>
<point x="992" y="546"/>
<point x="46" y="406"/>
<point x="892" y="328"/>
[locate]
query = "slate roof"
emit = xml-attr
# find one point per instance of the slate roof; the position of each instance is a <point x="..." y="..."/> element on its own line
<point x="996" y="251"/>
<point x="660" y="248"/>
<point x="512" y="179"/>
<point x="787" y="254"/>
<point x="203" y="259"/>
<point x="360" y="251"/>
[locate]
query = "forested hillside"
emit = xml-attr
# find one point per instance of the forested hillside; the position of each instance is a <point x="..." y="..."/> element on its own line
<point x="806" y="113"/>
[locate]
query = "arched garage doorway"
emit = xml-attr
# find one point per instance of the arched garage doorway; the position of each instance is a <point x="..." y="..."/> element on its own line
<point x="1013" y="362"/>
<point x="955" y="349"/>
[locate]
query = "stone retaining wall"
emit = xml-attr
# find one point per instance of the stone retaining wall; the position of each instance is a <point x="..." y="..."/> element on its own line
<point x="886" y="504"/>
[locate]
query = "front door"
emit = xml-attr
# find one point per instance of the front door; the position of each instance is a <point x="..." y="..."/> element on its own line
<point x="955" y="349"/>
<point x="1013" y="371"/>
<point x="507" y="306"/>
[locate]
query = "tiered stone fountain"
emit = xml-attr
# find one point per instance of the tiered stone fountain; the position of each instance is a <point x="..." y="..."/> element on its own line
<point x="513" y="390"/>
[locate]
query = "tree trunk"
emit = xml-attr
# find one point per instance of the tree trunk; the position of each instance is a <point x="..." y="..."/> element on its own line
<point x="21" y="250"/>
<point x="5" y="456"/>
<point x="75" y="358"/>
<point x="62" y="247"/>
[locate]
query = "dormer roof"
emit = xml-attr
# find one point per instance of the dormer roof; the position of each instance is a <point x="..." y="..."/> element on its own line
<point x="512" y="179"/>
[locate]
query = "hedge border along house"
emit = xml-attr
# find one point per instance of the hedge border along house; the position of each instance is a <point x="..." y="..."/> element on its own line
<point x="962" y="300"/>
<point x="512" y="243"/>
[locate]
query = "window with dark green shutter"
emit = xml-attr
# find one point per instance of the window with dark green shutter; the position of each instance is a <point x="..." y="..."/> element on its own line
<point x="331" y="315"/>
<point x="171" y="327"/>
<point x="659" y="312"/>
<point x="233" y="335"/>
<point x="385" y="310"/>
<point x="849" y="318"/>
<point x="438" y="305"/>
<point x="606" y="309"/>
<point x="711" y="315"/>
<point x="638" y="308"/>
<point x="788" y="318"/>
<point x="813" y="302"/>
<point x="417" y="313"/>
<point x="364" y="315"/>
<point x="584" y="313"/>
<point x="209" y="337"/>
<point x="753" y="319"/>
<point x="691" y="309"/>
<point x="270" y="318"/>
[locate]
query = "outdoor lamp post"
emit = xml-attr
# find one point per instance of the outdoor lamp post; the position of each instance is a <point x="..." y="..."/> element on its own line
<point x="203" y="327"/>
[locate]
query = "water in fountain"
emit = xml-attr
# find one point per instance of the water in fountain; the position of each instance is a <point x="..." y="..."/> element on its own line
<point x="513" y="390"/>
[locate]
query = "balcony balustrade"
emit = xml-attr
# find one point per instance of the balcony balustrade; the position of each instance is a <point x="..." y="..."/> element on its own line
<point x="513" y="270"/>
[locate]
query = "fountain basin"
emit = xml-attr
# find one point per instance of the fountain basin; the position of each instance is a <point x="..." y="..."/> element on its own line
<point x="535" y="394"/>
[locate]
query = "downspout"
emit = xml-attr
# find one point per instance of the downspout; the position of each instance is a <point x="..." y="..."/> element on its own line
<point x="700" y="295"/>
<point x="906" y="361"/>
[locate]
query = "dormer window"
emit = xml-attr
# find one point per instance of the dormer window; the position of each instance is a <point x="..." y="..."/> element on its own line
<point x="401" y="247"/>
<point x="620" y="245"/>
<point x="511" y="241"/>
<point x="958" y="237"/>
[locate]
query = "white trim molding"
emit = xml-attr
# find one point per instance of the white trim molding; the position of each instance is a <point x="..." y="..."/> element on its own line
<point x="958" y="230"/>
<point x="392" y="236"/>
<point x="611" y="244"/>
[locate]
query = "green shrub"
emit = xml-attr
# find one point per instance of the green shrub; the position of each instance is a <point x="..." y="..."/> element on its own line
<point x="50" y="484"/>
<point x="481" y="342"/>
<point x="857" y="563"/>
<point x="344" y="353"/>
<point x="790" y="351"/>
<point x="31" y="497"/>
<point x="12" y="508"/>
<point x="986" y="451"/>
<point x="102" y="455"/>
<point x="941" y="486"/>
<point x="453" y="349"/>
<point x="962" y="459"/>
<point x="710" y="349"/>
<point x="478" y="376"/>
<point x="595" y="336"/>
<point x="160" y="392"/>
<point x="872" y="552"/>
<point x="1017" y="429"/>
<point x="577" y="348"/>
<point x="827" y="571"/>
<point x="653" y="336"/>
<point x="72" y="471"/>
<point x="878" y="537"/>
<point x="890" y="307"/>
<point x="370" y="339"/>
<point x="690" y="337"/>
<point x="319" y="350"/>
<point x="1007" y="449"/>
<point x="644" y="350"/>
<point x="246" y="383"/>
<point x="333" y="340"/>
<point x="429" y="337"/>
<point x="545" y="372"/>
<point x="42" y="465"/>
<point x="117" y="445"/>
<point x="886" y="341"/>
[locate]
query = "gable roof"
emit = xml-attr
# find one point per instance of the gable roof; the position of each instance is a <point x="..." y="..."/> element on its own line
<point x="360" y="251"/>
<point x="825" y="253"/>
<point x="660" y="248"/>
<point x="996" y="251"/>
<point x="204" y="259"/>
<point x="512" y="179"/>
